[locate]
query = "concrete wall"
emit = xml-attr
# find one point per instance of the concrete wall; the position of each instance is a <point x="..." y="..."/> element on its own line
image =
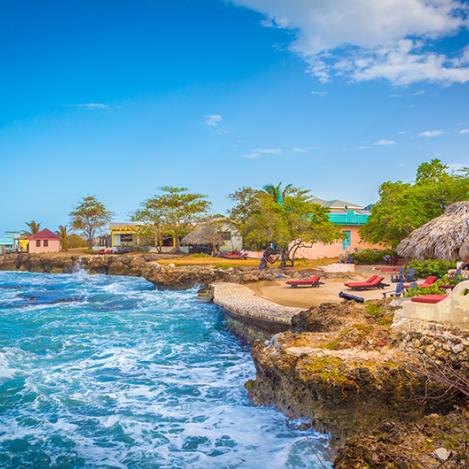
<point x="53" y="246"/>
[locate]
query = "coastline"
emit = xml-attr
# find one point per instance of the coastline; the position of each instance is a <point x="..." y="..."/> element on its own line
<point x="338" y="365"/>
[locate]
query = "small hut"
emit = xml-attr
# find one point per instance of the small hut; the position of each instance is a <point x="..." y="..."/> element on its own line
<point x="206" y="237"/>
<point x="445" y="237"/>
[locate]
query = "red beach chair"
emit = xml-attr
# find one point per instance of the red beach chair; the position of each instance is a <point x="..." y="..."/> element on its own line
<point x="375" y="281"/>
<point x="307" y="282"/>
<point x="428" y="282"/>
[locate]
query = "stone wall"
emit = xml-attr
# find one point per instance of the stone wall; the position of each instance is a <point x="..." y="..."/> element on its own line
<point x="442" y="343"/>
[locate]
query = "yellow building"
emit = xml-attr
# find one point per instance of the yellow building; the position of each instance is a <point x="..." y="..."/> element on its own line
<point x="125" y="235"/>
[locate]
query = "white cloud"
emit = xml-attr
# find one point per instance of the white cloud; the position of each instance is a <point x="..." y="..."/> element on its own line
<point x="385" y="142"/>
<point x="213" y="120"/>
<point x="261" y="152"/>
<point x="319" y="93"/>
<point x="94" y="106"/>
<point x="464" y="131"/>
<point x="372" y="39"/>
<point x="300" y="150"/>
<point x="419" y="93"/>
<point x="431" y="133"/>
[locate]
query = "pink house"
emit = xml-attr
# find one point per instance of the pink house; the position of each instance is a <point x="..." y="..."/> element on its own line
<point x="44" y="241"/>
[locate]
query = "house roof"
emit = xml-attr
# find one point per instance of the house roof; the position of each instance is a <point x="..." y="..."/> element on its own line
<point x="336" y="203"/>
<point x="44" y="234"/>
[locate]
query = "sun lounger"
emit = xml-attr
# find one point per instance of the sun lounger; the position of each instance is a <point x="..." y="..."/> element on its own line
<point x="234" y="255"/>
<point x="375" y="281"/>
<point x="307" y="282"/>
<point x="428" y="282"/>
<point x="428" y="299"/>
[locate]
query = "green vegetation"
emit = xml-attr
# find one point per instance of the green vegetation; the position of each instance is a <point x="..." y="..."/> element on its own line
<point x="63" y="234"/>
<point x="171" y="213"/>
<point x="433" y="290"/>
<point x="34" y="227"/>
<point x="425" y="268"/>
<point x="89" y="217"/>
<point x="372" y="256"/>
<point x="403" y="207"/>
<point x="285" y="217"/>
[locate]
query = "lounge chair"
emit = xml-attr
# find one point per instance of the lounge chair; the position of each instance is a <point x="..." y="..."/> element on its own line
<point x="428" y="299"/>
<point x="427" y="283"/>
<point x="314" y="281"/>
<point x="233" y="255"/>
<point x="375" y="281"/>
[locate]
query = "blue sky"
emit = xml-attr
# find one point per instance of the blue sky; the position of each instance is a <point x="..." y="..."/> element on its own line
<point x="116" y="98"/>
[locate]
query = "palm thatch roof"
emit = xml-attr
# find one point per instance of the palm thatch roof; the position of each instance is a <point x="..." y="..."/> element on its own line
<point x="205" y="233"/>
<point x="444" y="237"/>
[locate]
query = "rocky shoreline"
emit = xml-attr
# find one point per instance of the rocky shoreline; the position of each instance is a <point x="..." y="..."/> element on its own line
<point x="341" y="366"/>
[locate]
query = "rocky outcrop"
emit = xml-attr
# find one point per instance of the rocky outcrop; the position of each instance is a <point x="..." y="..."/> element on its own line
<point x="144" y="265"/>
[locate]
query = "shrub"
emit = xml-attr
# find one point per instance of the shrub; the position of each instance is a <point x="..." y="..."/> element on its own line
<point x="372" y="256"/>
<point x="436" y="267"/>
<point x="433" y="290"/>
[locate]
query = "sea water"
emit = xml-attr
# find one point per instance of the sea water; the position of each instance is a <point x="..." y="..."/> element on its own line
<point x="103" y="371"/>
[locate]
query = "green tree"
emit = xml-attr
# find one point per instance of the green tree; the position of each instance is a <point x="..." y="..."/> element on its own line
<point x="151" y="220"/>
<point x="245" y="200"/>
<point x="279" y="193"/>
<point x="295" y="223"/>
<point x="90" y="217"/>
<point x="403" y="207"/>
<point x="33" y="228"/>
<point x="172" y="213"/>
<point x="64" y="235"/>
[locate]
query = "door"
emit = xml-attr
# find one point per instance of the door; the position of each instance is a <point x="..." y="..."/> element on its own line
<point x="346" y="241"/>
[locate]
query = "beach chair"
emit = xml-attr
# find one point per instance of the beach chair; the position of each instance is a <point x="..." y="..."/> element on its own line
<point x="427" y="283"/>
<point x="397" y="292"/>
<point x="410" y="276"/>
<point x="314" y="282"/>
<point x="375" y="281"/>
<point x="428" y="299"/>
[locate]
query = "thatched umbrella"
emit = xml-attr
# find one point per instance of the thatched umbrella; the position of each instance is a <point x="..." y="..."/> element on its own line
<point x="444" y="237"/>
<point x="206" y="233"/>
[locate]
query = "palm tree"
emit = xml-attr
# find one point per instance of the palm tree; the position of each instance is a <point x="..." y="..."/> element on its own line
<point x="63" y="233"/>
<point x="277" y="192"/>
<point x="34" y="227"/>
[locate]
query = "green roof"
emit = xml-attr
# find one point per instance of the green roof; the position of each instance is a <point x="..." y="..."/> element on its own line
<point x="349" y="218"/>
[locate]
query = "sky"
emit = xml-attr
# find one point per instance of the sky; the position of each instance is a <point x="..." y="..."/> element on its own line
<point x="116" y="98"/>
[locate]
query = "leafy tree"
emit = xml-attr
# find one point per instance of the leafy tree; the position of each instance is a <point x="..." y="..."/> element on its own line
<point x="76" y="241"/>
<point x="295" y="223"/>
<point x="63" y="234"/>
<point x="34" y="227"/>
<point x="150" y="218"/>
<point x="278" y="193"/>
<point x="90" y="216"/>
<point x="245" y="201"/>
<point x="403" y="207"/>
<point x="173" y="212"/>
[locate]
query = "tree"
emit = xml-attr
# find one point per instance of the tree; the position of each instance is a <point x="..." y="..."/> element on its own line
<point x="403" y="207"/>
<point x="150" y="218"/>
<point x="63" y="234"/>
<point x="34" y="227"/>
<point x="90" y="216"/>
<point x="295" y="223"/>
<point x="172" y="213"/>
<point x="245" y="203"/>
<point x="278" y="193"/>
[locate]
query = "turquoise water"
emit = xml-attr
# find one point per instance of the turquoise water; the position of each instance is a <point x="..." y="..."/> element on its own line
<point x="101" y="371"/>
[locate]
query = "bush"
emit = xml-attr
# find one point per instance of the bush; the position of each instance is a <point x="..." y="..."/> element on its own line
<point x="436" y="267"/>
<point x="433" y="290"/>
<point x="372" y="256"/>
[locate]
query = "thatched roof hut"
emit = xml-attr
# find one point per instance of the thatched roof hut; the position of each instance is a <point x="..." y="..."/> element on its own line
<point x="205" y="233"/>
<point x="444" y="237"/>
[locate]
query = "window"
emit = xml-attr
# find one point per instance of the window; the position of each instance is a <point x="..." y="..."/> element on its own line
<point x="127" y="239"/>
<point x="38" y="243"/>
<point x="46" y="243"/>
<point x="226" y="235"/>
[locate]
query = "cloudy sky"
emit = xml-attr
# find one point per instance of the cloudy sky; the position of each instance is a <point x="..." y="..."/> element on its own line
<point x="118" y="97"/>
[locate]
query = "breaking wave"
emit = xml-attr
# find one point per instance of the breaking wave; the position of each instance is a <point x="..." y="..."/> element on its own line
<point x="102" y="371"/>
